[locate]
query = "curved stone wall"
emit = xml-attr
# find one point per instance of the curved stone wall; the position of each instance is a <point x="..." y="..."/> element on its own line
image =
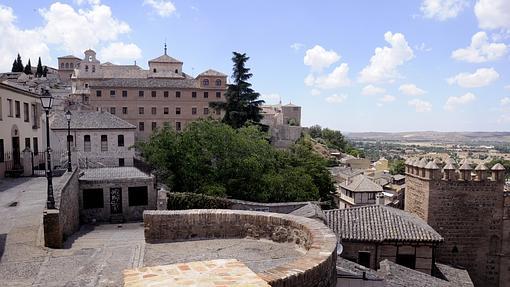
<point x="317" y="267"/>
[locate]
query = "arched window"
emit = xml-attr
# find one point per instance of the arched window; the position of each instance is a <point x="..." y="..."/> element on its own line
<point x="154" y="70"/>
<point x="86" y="143"/>
<point x="67" y="65"/>
<point x="86" y="68"/>
<point x="176" y="71"/>
<point x="62" y="65"/>
<point x="205" y="82"/>
<point x="218" y="82"/>
<point x="93" y="69"/>
<point x="71" y="66"/>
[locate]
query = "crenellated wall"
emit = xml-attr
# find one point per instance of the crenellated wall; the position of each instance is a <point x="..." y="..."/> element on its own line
<point x="466" y="207"/>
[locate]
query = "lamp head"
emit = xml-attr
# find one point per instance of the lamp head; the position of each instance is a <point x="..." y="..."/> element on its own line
<point x="68" y="115"/>
<point x="46" y="99"/>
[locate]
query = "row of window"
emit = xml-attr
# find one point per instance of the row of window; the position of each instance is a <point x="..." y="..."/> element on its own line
<point x="87" y="146"/>
<point x="94" y="198"/>
<point x="154" y="94"/>
<point x="154" y="126"/>
<point x="27" y="145"/>
<point x="166" y="111"/>
<point x="205" y="82"/>
<point x="14" y="110"/>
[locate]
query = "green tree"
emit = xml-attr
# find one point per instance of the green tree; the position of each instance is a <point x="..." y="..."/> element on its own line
<point x="14" y="66"/>
<point x="504" y="162"/>
<point x="315" y="131"/>
<point x="45" y="71"/>
<point x="242" y="104"/>
<point x="28" y="68"/>
<point x="17" y="65"/>
<point x="39" y="71"/>
<point x="397" y="167"/>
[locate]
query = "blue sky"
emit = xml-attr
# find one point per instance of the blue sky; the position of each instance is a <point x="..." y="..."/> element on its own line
<point x="352" y="65"/>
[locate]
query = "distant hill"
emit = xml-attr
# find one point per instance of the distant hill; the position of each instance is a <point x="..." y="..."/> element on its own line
<point x="431" y="136"/>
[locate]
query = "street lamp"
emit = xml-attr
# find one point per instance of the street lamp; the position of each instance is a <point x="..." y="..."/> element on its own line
<point x="47" y="103"/>
<point x="68" y="118"/>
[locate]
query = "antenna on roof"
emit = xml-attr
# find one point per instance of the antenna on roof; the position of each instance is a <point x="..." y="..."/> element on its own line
<point x="165" y="46"/>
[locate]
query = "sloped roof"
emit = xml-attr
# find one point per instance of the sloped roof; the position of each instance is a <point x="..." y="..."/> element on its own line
<point x="361" y="183"/>
<point x="89" y="120"/>
<point x="379" y="223"/>
<point x="146" y="83"/>
<point x="165" y="59"/>
<point x="212" y="73"/>
<point x="69" y="57"/>
<point x="310" y="210"/>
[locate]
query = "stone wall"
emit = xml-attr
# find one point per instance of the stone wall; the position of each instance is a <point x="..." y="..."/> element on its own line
<point x="317" y="267"/>
<point x="63" y="221"/>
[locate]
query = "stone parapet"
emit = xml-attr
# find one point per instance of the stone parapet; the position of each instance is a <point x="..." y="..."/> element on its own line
<point x="315" y="268"/>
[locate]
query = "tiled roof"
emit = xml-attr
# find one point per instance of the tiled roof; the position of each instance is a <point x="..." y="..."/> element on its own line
<point x="346" y="268"/>
<point x="69" y="57"/>
<point x="378" y="223"/>
<point x="89" y="120"/>
<point x="213" y="73"/>
<point x="165" y="59"/>
<point x="125" y="172"/>
<point x="361" y="183"/>
<point x="310" y="210"/>
<point x="146" y="83"/>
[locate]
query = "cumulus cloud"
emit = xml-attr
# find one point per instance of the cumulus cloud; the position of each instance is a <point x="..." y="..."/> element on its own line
<point x="163" y="8"/>
<point x="336" y="99"/>
<point x="372" y="90"/>
<point x="420" y="106"/>
<point x="118" y="52"/>
<point x="505" y="101"/>
<point x="453" y="102"/>
<point x="388" y="98"/>
<point x="493" y="14"/>
<point x="338" y="78"/>
<point x="385" y="61"/>
<point x="480" y="78"/>
<point x="318" y="58"/>
<point x="411" y="90"/>
<point x="442" y="9"/>
<point x="480" y="50"/>
<point x="270" y="98"/>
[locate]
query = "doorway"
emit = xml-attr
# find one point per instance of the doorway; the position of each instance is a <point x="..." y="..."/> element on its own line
<point x="16" y="153"/>
<point x="116" y="200"/>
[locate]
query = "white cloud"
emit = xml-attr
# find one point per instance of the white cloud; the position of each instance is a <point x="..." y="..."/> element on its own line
<point x="336" y="79"/>
<point x="270" y="98"/>
<point x="422" y="47"/>
<point x="493" y="14"/>
<point x="318" y="58"/>
<point x="372" y="90"/>
<point x="411" y="90"/>
<point x="480" y="50"/>
<point x="505" y="101"/>
<point x="442" y="9"/>
<point x="388" y="98"/>
<point x="383" y="64"/>
<point x="315" y="92"/>
<point x="118" y="52"/>
<point x="163" y="8"/>
<point x="480" y="78"/>
<point x="296" y="46"/>
<point x="336" y="99"/>
<point x="453" y="102"/>
<point x="420" y="106"/>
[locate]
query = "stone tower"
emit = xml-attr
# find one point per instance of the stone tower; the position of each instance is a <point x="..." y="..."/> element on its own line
<point x="465" y="206"/>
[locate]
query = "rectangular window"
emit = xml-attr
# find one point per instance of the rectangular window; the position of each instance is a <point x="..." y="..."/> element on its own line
<point x="124" y="110"/>
<point x="93" y="198"/>
<point x="138" y="195"/>
<point x="193" y="111"/>
<point x="177" y="111"/>
<point x="140" y="110"/>
<point x="218" y="95"/>
<point x="153" y="110"/>
<point x="206" y="111"/>
<point x="124" y="94"/>
<point x="17" y="109"/>
<point x="177" y="126"/>
<point x="364" y="258"/>
<point x="86" y="143"/>
<point x="120" y="140"/>
<point x="193" y="94"/>
<point x="153" y="93"/>
<point x="35" y="123"/>
<point x="112" y="110"/>
<point x="206" y="95"/>
<point x="9" y="101"/>
<point x="98" y="93"/>
<point x="140" y="94"/>
<point x="27" y="142"/>
<point x="104" y="143"/>
<point x="407" y="260"/>
<point x="112" y="93"/>
<point x="154" y="125"/>
<point x="141" y="126"/>
<point x="165" y="94"/>
<point x="165" y="110"/>
<point x="36" y="145"/>
<point x="121" y="162"/>
<point x="26" y="112"/>
<point x="2" y="159"/>
<point x="177" y="94"/>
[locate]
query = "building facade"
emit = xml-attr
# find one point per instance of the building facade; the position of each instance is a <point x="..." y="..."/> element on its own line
<point x="20" y="127"/>
<point x="466" y="207"/>
<point x="283" y="123"/>
<point x="356" y="191"/>
<point x="160" y="96"/>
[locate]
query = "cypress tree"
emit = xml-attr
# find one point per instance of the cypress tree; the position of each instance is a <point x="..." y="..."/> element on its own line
<point x="45" y="71"/>
<point x="28" y="68"/>
<point x="19" y="66"/>
<point x="14" y="66"/>
<point x="39" y="71"/>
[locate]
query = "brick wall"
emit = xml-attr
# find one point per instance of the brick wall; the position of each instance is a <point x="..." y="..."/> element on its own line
<point x="317" y="267"/>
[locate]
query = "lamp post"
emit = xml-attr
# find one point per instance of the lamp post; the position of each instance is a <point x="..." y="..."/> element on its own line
<point x="68" y="118"/>
<point x="47" y="103"/>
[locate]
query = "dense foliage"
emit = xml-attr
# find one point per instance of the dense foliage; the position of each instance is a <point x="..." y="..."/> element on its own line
<point x="334" y="139"/>
<point x="17" y="66"/>
<point x="185" y="200"/>
<point x="212" y="158"/>
<point x="397" y="166"/>
<point x="242" y="104"/>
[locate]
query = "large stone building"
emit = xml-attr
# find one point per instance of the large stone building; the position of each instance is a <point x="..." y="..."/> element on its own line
<point x="283" y="123"/>
<point x="466" y="207"/>
<point x="149" y="99"/>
